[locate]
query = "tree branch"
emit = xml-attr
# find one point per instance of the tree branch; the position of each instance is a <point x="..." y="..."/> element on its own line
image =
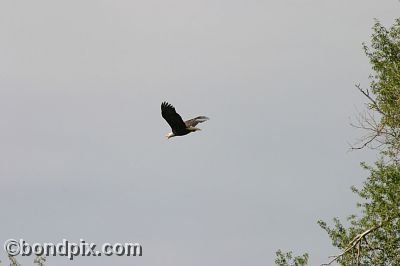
<point x="365" y="144"/>
<point x="355" y="242"/>
<point x="366" y="94"/>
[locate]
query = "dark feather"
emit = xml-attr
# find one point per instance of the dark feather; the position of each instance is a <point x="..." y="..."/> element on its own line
<point x="173" y="118"/>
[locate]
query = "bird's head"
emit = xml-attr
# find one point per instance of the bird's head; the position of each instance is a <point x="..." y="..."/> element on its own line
<point x="170" y="135"/>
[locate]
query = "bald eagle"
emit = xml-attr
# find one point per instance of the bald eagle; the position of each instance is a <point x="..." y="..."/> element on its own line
<point x="178" y="126"/>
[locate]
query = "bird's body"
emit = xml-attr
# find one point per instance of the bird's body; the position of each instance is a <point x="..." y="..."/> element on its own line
<point x="178" y="126"/>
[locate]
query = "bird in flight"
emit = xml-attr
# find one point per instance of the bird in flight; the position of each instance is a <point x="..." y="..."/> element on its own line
<point x="178" y="126"/>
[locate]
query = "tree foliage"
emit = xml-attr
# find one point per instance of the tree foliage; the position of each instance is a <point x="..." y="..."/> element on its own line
<point x="382" y="119"/>
<point x="374" y="238"/>
<point x="287" y="259"/>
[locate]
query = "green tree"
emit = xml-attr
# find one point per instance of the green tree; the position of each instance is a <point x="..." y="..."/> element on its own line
<point x="373" y="238"/>
<point x="382" y="118"/>
<point x="287" y="259"/>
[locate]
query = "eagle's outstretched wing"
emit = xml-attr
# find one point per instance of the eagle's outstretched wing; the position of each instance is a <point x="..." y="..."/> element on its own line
<point x="172" y="117"/>
<point x="194" y="121"/>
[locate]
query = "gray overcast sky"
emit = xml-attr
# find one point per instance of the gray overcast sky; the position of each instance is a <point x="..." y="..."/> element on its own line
<point x="83" y="152"/>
